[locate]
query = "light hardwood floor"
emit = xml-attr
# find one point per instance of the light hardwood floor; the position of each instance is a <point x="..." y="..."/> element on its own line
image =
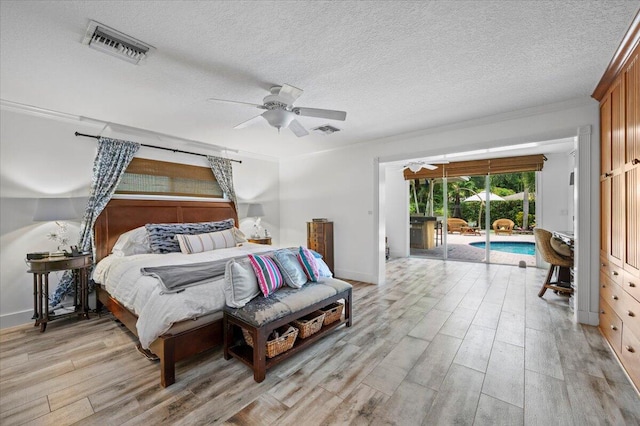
<point x="440" y="343"/>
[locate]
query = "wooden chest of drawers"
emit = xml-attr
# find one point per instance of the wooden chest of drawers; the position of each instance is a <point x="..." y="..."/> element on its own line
<point x="320" y="239"/>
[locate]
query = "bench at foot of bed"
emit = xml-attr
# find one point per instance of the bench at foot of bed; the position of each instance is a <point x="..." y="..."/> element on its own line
<point x="261" y="316"/>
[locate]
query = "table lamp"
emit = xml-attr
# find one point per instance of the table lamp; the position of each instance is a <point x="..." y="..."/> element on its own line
<point x="55" y="210"/>
<point x="256" y="211"/>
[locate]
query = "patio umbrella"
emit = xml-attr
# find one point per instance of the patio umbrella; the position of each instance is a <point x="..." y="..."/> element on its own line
<point x="482" y="196"/>
<point x="519" y="196"/>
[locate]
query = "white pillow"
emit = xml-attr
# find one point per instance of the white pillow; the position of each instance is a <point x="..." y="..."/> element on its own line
<point x="205" y="242"/>
<point x="323" y="268"/>
<point x="240" y="283"/>
<point x="239" y="235"/>
<point x="132" y="242"/>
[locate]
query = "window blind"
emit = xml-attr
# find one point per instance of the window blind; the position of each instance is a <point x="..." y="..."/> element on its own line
<point x="527" y="163"/>
<point x="144" y="176"/>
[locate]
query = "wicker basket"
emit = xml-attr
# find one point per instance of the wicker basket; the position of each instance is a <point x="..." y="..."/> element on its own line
<point x="332" y="312"/>
<point x="278" y="345"/>
<point x="309" y="324"/>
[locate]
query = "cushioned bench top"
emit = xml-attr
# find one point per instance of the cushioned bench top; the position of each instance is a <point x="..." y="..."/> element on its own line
<point x="262" y="310"/>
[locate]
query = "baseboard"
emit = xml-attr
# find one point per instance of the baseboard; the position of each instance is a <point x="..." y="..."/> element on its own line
<point x="586" y="317"/>
<point x="355" y="276"/>
<point x="16" y="318"/>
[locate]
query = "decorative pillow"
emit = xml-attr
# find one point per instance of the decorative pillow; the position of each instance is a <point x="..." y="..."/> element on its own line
<point x="239" y="235"/>
<point x="323" y="268"/>
<point x="561" y="248"/>
<point x="206" y="242"/>
<point x="162" y="235"/>
<point x="240" y="283"/>
<point x="290" y="268"/>
<point x="132" y="242"/>
<point x="267" y="272"/>
<point x="315" y="254"/>
<point x="308" y="262"/>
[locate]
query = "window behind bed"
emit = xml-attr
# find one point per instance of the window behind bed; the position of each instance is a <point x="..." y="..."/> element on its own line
<point x="152" y="177"/>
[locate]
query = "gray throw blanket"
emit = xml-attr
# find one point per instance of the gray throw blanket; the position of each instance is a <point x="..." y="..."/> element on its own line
<point x="175" y="278"/>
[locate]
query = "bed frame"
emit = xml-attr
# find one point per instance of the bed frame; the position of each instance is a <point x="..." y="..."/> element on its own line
<point x="186" y="338"/>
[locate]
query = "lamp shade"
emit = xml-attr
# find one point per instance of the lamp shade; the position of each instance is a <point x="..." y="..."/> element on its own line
<point x="50" y="209"/>
<point x="255" y="210"/>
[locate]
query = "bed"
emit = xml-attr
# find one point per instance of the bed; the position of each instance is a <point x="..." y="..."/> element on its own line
<point x="182" y="339"/>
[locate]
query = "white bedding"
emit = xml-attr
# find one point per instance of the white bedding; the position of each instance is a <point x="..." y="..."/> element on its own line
<point x="157" y="312"/>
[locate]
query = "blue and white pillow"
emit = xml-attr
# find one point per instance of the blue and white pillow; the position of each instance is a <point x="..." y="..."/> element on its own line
<point x="290" y="268"/>
<point x="162" y="236"/>
<point x="323" y="268"/>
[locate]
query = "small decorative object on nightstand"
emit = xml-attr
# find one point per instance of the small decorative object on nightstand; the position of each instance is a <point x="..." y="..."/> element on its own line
<point x="256" y="211"/>
<point x="40" y="269"/>
<point x="261" y="240"/>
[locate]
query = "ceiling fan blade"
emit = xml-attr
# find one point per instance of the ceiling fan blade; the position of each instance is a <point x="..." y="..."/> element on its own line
<point x="430" y="166"/>
<point x="320" y="113"/>
<point x="290" y="92"/>
<point x="249" y="122"/>
<point x="297" y="128"/>
<point x="237" y="102"/>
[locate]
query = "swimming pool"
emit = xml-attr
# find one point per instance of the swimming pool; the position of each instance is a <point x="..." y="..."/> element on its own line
<point x="517" y="247"/>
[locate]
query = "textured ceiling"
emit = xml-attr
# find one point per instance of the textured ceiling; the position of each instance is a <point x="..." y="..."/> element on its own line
<point x="395" y="67"/>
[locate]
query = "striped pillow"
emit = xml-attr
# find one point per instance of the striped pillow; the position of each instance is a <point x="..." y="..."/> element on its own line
<point x="308" y="262"/>
<point x="267" y="272"/>
<point x="162" y="236"/>
<point x="206" y="242"/>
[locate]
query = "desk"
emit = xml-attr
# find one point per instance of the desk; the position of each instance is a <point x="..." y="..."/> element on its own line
<point x="40" y="268"/>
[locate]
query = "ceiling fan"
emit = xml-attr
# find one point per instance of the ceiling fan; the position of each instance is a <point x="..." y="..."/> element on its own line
<point x="280" y="111"/>
<point x="416" y="165"/>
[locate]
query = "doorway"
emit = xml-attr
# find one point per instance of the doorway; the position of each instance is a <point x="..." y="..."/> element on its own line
<point x="511" y="218"/>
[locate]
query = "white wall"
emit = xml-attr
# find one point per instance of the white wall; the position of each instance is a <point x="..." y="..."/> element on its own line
<point x="397" y="211"/>
<point x="553" y="195"/>
<point x="341" y="184"/>
<point x="41" y="157"/>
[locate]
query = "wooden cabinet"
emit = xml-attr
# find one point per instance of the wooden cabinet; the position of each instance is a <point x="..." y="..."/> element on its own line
<point x="320" y="239"/>
<point x="619" y="96"/>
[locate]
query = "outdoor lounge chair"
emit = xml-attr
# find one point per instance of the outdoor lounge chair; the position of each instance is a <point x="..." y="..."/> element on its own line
<point x="503" y="226"/>
<point x="455" y="224"/>
<point x="559" y="264"/>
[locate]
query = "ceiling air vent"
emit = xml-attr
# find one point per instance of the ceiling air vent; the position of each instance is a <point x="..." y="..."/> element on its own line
<point x="113" y="42"/>
<point x="327" y="129"/>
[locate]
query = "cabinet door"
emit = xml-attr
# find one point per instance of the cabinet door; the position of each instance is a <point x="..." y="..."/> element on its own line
<point x="618" y="127"/>
<point x="618" y="213"/>
<point x="632" y="247"/>
<point x="632" y="82"/>
<point x="605" y="217"/>
<point x="605" y="135"/>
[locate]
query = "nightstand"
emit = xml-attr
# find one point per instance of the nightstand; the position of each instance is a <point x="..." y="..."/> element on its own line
<point x="40" y="269"/>
<point x="263" y="240"/>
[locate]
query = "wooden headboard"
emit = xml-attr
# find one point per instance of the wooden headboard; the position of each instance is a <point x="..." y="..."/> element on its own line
<point x="122" y="215"/>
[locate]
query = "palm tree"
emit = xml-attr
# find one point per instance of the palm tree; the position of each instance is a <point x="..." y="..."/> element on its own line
<point x="529" y="183"/>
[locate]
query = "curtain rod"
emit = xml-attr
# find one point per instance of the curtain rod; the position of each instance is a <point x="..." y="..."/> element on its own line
<point x="157" y="147"/>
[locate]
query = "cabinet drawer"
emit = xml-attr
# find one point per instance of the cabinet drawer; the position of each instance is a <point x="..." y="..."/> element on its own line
<point x="631" y="285"/>
<point x="611" y="270"/>
<point x="627" y="308"/>
<point x="630" y="355"/>
<point x="610" y="325"/>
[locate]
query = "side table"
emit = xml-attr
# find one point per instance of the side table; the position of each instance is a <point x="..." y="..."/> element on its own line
<point x="261" y="240"/>
<point x="40" y="268"/>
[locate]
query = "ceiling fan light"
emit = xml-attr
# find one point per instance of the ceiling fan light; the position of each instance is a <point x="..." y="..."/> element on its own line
<point x="415" y="168"/>
<point x="278" y="118"/>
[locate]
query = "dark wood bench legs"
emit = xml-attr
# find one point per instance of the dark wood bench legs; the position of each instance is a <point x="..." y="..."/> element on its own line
<point x="256" y="357"/>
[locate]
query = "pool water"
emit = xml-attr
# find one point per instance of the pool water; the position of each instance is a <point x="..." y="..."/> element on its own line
<point x="517" y="247"/>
